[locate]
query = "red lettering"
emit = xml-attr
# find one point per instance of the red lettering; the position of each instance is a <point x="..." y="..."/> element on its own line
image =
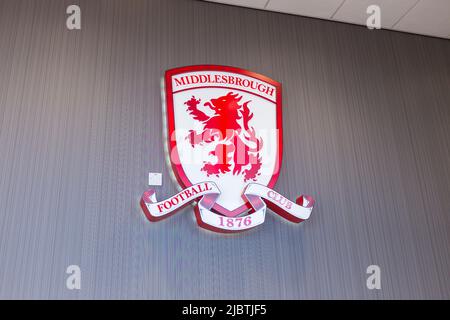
<point x="194" y="79"/>
<point x="168" y="203"/>
<point x="173" y="201"/>
<point x="187" y="193"/>
<point x="278" y="198"/>
<point x="178" y="82"/>
<point x="261" y="86"/>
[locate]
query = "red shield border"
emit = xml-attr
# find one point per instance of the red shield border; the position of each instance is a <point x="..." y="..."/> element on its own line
<point x="177" y="168"/>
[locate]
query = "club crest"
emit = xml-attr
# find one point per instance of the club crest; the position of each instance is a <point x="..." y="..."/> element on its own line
<point x="224" y="132"/>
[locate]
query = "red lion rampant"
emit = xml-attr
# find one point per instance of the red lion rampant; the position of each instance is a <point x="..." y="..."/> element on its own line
<point x="237" y="147"/>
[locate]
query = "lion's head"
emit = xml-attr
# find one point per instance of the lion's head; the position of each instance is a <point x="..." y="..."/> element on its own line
<point x="225" y="104"/>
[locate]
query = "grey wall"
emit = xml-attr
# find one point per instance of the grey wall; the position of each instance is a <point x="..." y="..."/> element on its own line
<point x="366" y="124"/>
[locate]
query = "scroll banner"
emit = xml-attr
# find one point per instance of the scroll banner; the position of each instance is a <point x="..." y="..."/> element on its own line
<point x="209" y="192"/>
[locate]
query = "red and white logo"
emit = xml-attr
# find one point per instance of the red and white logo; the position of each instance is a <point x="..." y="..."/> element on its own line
<point x="224" y="131"/>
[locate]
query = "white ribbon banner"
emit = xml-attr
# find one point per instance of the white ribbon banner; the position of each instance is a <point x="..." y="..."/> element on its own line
<point x="209" y="192"/>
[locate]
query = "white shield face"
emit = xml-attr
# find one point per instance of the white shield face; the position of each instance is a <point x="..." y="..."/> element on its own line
<point x="224" y="126"/>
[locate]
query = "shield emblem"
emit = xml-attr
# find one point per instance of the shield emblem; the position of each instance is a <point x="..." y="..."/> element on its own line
<point x="224" y="135"/>
<point x="224" y="125"/>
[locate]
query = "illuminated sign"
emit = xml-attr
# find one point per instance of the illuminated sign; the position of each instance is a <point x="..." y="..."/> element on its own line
<point x="224" y="135"/>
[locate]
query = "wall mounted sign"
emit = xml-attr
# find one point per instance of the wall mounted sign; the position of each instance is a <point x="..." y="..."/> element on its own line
<point x="224" y="132"/>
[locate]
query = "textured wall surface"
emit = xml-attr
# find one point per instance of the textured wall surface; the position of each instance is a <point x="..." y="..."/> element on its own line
<point x="366" y="125"/>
